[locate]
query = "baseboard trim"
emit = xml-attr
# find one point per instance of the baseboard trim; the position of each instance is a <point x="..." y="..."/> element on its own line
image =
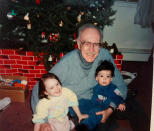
<point x="136" y="51"/>
<point x="131" y="54"/>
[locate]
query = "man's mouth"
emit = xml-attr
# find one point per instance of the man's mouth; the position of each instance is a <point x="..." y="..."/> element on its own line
<point x="90" y="54"/>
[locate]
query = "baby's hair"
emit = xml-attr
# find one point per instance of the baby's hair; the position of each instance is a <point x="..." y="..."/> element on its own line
<point x="105" y="65"/>
<point x="42" y="86"/>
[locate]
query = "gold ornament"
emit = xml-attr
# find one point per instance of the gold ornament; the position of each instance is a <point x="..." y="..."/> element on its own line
<point x="43" y="35"/>
<point x="79" y="16"/>
<point x="38" y="15"/>
<point x="68" y="8"/>
<point x="95" y="23"/>
<point x="61" y="23"/>
<point x="29" y="26"/>
<point x="26" y="17"/>
<point x="50" y="58"/>
<point x="82" y="13"/>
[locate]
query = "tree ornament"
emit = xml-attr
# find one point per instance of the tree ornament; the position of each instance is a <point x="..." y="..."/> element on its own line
<point x="11" y="14"/>
<point x="74" y="36"/>
<point x="81" y="12"/>
<point x="43" y="38"/>
<point x="61" y="54"/>
<point x="43" y="35"/>
<point x="96" y="23"/>
<point x="38" y="16"/>
<point x="111" y="51"/>
<point x="37" y="2"/>
<point x="50" y="37"/>
<point x="55" y="37"/>
<point x="79" y="16"/>
<point x="26" y="17"/>
<point x="68" y="8"/>
<point x="76" y="46"/>
<point x="50" y="58"/>
<point x="94" y="17"/>
<point x="61" y="23"/>
<point x="29" y="26"/>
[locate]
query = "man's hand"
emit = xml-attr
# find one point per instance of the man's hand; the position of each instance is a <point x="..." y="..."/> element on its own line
<point x="45" y="127"/>
<point x="122" y="107"/>
<point x="105" y="114"/>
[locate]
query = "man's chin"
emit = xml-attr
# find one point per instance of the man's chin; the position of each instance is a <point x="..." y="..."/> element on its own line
<point x="90" y="60"/>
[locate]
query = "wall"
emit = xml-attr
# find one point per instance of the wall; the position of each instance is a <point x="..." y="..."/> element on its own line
<point x="134" y="42"/>
<point x="24" y="63"/>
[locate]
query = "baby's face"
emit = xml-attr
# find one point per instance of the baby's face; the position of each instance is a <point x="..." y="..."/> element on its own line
<point x="104" y="77"/>
<point x="53" y="87"/>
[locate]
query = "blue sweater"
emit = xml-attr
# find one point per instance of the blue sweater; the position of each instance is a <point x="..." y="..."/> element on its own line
<point x="104" y="95"/>
<point x="79" y="76"/>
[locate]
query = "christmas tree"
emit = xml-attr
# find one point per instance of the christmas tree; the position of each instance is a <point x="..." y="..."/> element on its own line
<point x="50" y="26"/>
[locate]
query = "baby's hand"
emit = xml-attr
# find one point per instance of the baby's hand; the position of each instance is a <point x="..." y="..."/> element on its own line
<point x="82" y="116"/>
<point x="122" y="107"/>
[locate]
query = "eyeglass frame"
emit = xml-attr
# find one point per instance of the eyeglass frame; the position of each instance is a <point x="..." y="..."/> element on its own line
<point x="87" y="43"/>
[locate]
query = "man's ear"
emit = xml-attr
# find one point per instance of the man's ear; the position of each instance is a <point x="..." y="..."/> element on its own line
<point x="78" y="43"/>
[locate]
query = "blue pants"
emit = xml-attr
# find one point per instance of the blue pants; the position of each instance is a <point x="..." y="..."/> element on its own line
<point x="87" y="107"/>
<point x="93" y="120"/>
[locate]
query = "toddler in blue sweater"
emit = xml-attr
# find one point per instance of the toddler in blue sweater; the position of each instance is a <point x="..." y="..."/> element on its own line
<point x="105" y="94"/>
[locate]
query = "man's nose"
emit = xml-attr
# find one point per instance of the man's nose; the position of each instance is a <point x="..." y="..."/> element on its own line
<point x="91" y="47"/>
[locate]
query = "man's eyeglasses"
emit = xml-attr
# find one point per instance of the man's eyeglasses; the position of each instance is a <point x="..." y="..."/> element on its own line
<point x="88" y="44"/>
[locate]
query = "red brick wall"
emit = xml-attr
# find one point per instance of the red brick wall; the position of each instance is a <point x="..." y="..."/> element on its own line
<point x="16" y="62"/>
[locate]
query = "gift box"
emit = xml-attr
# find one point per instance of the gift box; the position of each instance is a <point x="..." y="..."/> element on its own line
<point x="14" y="87"/>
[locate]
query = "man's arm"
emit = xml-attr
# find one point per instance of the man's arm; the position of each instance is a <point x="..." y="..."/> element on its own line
<point x="34" y="98"/>
<point x="105" y="113"/>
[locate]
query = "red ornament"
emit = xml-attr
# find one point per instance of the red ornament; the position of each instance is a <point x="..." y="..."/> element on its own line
<point x="37" y="2"/>
<point x="61" y="54"/>
<point x="74" y="36"/>
<point x="55" y="37"/>
<point x="76" y="46"/>
<point x="50" y="37"/>
<point x="43" y="35"/>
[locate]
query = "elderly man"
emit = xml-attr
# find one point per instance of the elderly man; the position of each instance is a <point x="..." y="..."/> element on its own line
<point x="77" y="68"/>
